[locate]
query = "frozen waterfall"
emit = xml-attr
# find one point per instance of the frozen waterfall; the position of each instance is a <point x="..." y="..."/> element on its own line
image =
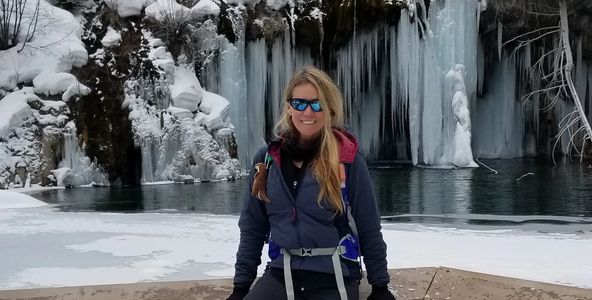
<point x="403" y="68"/>
<point x="499" y="130"/>
<point x="76" y="168"/>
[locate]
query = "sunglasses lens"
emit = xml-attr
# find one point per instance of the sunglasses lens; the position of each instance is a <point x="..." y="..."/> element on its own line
<point x="316" y="106"/>
<point x="301" y="104"/>
<point x="298" y="104"/>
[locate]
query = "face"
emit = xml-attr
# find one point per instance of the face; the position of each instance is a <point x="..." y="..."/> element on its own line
<point x="307" y="122"/>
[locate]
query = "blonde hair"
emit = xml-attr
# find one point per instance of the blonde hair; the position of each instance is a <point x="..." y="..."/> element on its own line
<point x="326" y="165"/>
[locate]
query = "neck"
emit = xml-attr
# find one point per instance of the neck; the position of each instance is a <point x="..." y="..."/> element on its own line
<point x="301" y="151"/>
<point x="306" y="142"/>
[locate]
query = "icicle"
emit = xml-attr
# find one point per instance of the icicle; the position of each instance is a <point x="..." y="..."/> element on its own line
<point x="499" y="131"/>
<point x="233" y="85"/>
<point x="580" y="70"/>
<point x="408" y="79"/>
<point x="256" y="68"/>
<point x="363" y="92"/>
<point x="435" y="114"/>
<point x="499" y="39"/>
<point x="76" y="168"/>
<point x="589" y="106"/>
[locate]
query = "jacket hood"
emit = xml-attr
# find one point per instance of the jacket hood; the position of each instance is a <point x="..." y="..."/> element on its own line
<point x="348" y="146"/>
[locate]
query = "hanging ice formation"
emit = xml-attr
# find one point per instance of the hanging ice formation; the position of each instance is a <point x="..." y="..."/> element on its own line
<point x="499" y="124"/>
<point x="509" y="115"/>
<point x="181" y="129"/>
<point x="251" y="80"/>
<point x="76" y="168"/>
<point x="403" y="68"/>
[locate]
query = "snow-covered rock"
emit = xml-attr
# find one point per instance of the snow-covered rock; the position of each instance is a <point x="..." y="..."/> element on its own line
<point x="215" y="109"/>
<point x="111" y="38"/>
<point x="205" y="8"/>
<point x="126" y="8"/>
<point x="174" y="144"/>
<point x="50" y="83"/>
<point x="14" y="110"/>
<point x="162" y="59"/>
<point x="180" y="113"/>
<point x="55" y="47"/>
<point x="276" y="4"/>
<point x="77" y="89"/>
<point x="186" y="91"/>
<point x="64" y="177"/>
<point x="168" y="11"/>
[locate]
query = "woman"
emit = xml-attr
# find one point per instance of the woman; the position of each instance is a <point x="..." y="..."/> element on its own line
<point x="297" y="183"/>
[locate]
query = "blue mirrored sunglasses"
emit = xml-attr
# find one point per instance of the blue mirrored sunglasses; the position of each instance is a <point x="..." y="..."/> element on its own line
<point x="301" y="104"/>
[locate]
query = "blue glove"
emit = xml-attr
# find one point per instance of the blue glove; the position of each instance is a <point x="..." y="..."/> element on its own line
<point x="238" y="293"/>
<point x="380" y="293"/>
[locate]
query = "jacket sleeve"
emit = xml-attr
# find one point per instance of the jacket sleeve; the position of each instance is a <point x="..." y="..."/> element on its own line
<point x="367" y="217"/>
<point x="254" y="226"/>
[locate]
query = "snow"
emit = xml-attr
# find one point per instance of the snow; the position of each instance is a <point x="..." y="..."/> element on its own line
<point x="168" y="11"/>
<point x="186" y="92"/>
<point x="61" y="175"/>
<point x="111" y="38"/>
<point x="216" y="110"/>
<point x="14" y="110"/>
<point x="12" y="200"/>
<point x="88" y="248"/>
<point x="126" y="8"/>
<point x="160" y="57"/>
<point x="206" y="7"/>
<point x="50" y="83"/>
<point x="173" y="143"/>
<point x="55" y="47"/>
<point x="276" y="4"/>
<point x="180" y="113"/>
<point x="77" y="89"/>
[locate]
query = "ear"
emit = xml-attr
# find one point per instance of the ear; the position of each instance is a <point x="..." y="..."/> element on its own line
<point x="288" y="108"/>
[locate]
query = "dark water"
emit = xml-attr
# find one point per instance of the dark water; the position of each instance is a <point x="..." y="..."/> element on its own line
<point x="520" y="188"/>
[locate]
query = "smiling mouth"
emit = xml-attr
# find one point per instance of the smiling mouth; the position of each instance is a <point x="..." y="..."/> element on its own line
<point x="308" y="122"/>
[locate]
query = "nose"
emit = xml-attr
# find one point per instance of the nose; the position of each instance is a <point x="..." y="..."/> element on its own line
<point x="308" y="111"/>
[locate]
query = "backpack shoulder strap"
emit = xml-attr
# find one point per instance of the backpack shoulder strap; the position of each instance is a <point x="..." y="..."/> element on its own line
<point x="259" y="189"/>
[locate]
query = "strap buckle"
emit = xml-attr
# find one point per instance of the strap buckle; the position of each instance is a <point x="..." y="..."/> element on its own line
<point x="306" y="252"/>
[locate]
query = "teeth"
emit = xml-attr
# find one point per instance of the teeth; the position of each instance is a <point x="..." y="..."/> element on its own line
<point x="308" y="122"/>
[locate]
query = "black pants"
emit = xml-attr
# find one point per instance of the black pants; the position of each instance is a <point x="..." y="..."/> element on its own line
<point x="308" y="285"/>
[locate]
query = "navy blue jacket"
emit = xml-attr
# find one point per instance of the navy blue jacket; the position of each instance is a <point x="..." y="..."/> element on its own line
<point x="312" y="226"/>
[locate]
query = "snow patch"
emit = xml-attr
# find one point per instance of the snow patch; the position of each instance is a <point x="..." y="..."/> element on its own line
<point x="55" y="47"/>
<point x="14" y="110"/>
<point x="10" y="199"/>
<point x="111" y="38"/>
<point x="168" y="11"/>
<point x="276" y="4"/>
<point x="205" y="8"/>
<point x="215" y="108"/>
<point x="186" y="91"/>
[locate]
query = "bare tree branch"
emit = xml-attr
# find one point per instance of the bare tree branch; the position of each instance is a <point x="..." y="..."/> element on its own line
<point x="12" y="13"/>
<point x="569" y="67"/>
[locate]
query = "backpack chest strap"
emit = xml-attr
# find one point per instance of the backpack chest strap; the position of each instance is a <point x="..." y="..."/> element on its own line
<point x="314" y="251"/>
<point x="333" y="252"/>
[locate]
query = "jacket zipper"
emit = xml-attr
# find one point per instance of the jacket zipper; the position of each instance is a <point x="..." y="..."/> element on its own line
<point x="294" y="210"/>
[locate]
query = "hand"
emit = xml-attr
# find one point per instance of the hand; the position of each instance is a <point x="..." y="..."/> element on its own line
<point x="380" y="293"/>
<point x="238" y="293"/>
